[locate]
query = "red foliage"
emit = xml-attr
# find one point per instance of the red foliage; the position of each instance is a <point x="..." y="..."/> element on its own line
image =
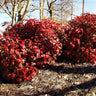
<point x="26" y="46"/>
<point x="80" y="45"/>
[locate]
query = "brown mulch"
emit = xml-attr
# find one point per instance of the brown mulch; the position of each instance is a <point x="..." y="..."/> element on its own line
<point x="61" y="79"/>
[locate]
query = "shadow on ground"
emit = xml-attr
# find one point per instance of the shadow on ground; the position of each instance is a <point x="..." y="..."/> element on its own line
<point x="86" y="85"/>
<point x="67" y="70"/>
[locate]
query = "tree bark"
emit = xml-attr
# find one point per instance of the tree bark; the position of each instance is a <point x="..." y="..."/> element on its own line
<point x="72" y="10"/>
<point x="62" y="16"/>
<point x="52" y="10"/>
<point x="21" y="11"/>
<point x="83" y="7"/>
<point x="40" y="9"/>
<point x="13" y="16"/>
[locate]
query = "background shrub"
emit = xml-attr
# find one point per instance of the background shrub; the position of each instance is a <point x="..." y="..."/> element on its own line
<point x="80" y="43"/>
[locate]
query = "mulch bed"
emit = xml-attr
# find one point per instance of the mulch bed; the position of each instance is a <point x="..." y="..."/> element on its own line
<point x="61" y="79"/>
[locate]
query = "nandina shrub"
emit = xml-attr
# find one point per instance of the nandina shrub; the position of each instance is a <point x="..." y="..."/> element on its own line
<point x="80" y="45"/>
<point x="25" y="46"/>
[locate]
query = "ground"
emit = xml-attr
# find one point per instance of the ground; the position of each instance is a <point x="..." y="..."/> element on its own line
<point x="61" y="79"/>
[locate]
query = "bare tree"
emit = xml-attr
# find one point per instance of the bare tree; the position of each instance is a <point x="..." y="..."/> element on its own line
<point x="51" y="8"/>
<point x="65" y="8"/>
<point x="56" y="9"/>
<point x="16" y="9"/>
<point x="41" y="8"/>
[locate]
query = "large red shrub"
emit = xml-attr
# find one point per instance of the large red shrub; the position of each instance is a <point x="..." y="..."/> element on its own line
<point x="25" y="46"/>
<point x="80" y="45"/>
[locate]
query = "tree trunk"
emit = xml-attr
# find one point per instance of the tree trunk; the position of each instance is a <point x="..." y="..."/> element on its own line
<point x="14" y="9"/>
<point x="40" y="9"/>
<point x="52" y="11"/>
<point x="72" y="10"/>
<point x="43" y="9"/>
<point x="83" y="7"/>
<point x="21" y="10"/>
<point x="62" y="16"/>
<point x="26" y="9"/>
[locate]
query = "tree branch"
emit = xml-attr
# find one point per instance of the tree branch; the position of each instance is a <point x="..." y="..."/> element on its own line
<point x="39" y="7"/>
<point x="32" y="10"/>
<point x="52" y="2"/>
<point x="5" y="10"/>
<point x="28" y="4"/>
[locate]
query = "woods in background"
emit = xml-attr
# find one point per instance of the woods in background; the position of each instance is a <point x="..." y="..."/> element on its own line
<point x="58" y="10"/>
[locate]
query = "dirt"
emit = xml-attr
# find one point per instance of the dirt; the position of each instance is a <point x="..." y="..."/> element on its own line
<point x="61" y="79"/>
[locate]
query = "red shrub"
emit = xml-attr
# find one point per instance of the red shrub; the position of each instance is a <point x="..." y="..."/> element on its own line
<point x="80" y="45"/>
<point x="26" y="46"/>
<point x="58" y="29"/>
